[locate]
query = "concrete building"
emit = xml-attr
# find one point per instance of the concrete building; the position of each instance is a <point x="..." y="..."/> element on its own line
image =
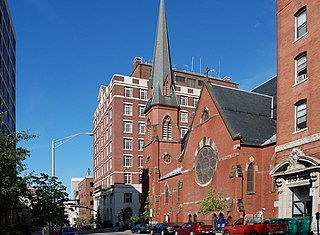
<point x="119" y="135"/>
<point x="298" y="129"/>
<point x="8" y="70"/>
<point x="73" y="212"/>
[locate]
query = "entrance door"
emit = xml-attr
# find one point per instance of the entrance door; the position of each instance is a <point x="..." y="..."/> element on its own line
<point x="301" y="202"/>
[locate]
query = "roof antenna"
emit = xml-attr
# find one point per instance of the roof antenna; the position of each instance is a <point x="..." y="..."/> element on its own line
<point x="207" y="73"/>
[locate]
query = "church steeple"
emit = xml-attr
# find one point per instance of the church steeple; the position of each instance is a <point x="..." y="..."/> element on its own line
<point x="162" y="83"/>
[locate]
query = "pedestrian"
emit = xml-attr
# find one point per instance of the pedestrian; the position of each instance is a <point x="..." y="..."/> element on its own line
<point x="221" y="222"/>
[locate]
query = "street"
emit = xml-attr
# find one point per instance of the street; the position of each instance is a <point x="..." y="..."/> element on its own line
<point x="96" y="231"/>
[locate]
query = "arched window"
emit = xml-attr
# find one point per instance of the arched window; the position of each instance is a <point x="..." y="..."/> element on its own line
<point x="189" y="218"/>
<point x="250" y="178"/>
<point x="205" y="115"/>
<point x="167" y="129"/>
<point x="166" y="194"/>
<point x="195" y="218"/>
<point x="149" y="130"/>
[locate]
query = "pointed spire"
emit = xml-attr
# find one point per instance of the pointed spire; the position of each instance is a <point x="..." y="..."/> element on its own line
<point x="161" y="68"/>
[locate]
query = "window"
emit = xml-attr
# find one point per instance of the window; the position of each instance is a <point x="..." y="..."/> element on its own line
<point x="301" y="67"/>
<point x="140" y="161"/>
<point x="301" y="115"/>
<point x="183" y="131"/>
<point x="140" y="180"/>
<point x="195" y="102"/>
<point x="110" y="130"/>
<point x="141" y="145"/>
<point x="127" y="144"/>
<point x="110" y="113"/>
<point x="110" y="161"/>
<point x="302" y="205"/>
<point x="127" y="109"/>
<point x="301" y="22"/>
<point x="166" y="194"/>
<point x="200" y="82"/>
<point x="250" y="179"/>
<point x="128" y="91"/>
<point x="127" y="197"/>
<point x="184" y="100"/>
<point x="191" y="82"/>
<point x="110" y="146"/>
<point x="167" y="129"/>
<point x="204" y="115"/>
<point x="141" y="111"/>
<point x="127" y="126"/>
<point x="141" y="128"/>
<point x="180" y="79"/>
<point x="183" y="117"/>
<point x="127" y="161"/>
<point x="127" y="178"/>
<point x="143" y="94"/>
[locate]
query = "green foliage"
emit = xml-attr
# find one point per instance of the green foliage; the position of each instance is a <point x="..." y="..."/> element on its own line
<point x="47" y="200"/>
<point x="212" y="203"/>
<point x="135" y="218"/>
<point x="13" y="185"/>
<point x="146" y="212"/>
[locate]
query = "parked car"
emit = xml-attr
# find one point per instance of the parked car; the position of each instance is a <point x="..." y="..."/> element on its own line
<point x="86" y="227"/>
<point x="164" y="228"/>
<point x="141" y="228"/>
<point x="68" y="230"/>
<point x="253" y="226"/>
<point x="194" y="228"/>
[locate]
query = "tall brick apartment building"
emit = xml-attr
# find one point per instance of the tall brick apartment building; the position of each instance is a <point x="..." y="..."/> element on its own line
<point x="298" y="127"/>
<point x="119" y="132"/>
<point x="86" y="188"/>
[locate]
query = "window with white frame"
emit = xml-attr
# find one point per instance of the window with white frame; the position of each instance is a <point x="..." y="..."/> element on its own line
<point x="141" y="127"/>
<point x="184" y="100"/>
<point x="110" y="113"/>
<point x="110" y="130"/>
<point x="301" y="67"/>
<point x="127" y="109"/>
<point x="141" y="145"/>
<point x="128" y="91"/>
<point x="107" y="166"/>
<point x="127" y="197"/>
<point x="127" y="178"/>
<point x="141" y="110"/>
<point x="127" y="126"/>
<point x="110" y="146"/>
<point x="183" y="131"/>
<point x="127" y="160"/>
<point x="140" y="161"/>
<point x="183" y="116"/>
<point x="167" y="129"/>
<point x="301" y="115"/>
<point x="127" y="144"/>
<point x="143" y="94"/>
<point x="195" y="102"/>
<point x="301" y="22"/>
<point x="110" y="162"/>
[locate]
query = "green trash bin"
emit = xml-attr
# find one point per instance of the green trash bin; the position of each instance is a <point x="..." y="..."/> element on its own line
<point x="303" y="225"/>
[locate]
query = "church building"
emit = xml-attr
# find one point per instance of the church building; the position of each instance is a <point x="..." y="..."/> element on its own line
<point x="229" y="146"/>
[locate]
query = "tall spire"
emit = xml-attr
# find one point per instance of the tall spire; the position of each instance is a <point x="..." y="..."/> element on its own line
<point x="161" y="68"/>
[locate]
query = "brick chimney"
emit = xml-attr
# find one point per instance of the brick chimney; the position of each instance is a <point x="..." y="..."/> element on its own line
<point x="136" y="62"/>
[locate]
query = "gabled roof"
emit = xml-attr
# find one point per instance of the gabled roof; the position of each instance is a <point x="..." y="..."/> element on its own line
<point x="247" y="115"/>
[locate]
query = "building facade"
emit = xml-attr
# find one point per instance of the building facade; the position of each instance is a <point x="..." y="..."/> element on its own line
<point x="229" y="146"/>
<point x="8" y="70"/>
<point x="298" y="129"/>
<point x="86" y="188"/>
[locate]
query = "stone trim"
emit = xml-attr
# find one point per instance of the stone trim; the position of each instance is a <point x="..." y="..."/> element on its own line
<point x="296" y="143"/>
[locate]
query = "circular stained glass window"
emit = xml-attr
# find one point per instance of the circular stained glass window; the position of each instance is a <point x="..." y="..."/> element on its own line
<point x="205" y="165"/>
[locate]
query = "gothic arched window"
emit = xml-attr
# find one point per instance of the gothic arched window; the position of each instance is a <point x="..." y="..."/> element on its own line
<point x="250" y="178"/>
<point x="166" y="194"/>
<point x="205" y="115"/>
<point x="167" y="129"/>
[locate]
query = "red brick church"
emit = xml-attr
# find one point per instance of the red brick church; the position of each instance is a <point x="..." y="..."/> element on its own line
<point x="231" y="145"/>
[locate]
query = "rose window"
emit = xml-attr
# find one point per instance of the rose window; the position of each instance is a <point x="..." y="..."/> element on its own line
<point x="205" y="165"/>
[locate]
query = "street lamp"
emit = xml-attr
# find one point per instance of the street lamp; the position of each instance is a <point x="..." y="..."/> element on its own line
<point x="57" y="143"/>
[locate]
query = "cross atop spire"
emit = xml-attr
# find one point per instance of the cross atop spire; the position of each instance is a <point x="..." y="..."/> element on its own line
<point x="161" y="68"/>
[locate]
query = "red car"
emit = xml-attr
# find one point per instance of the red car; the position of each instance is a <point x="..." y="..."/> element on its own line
<point x="194" y="228"/>
<point x="252" y="227"/>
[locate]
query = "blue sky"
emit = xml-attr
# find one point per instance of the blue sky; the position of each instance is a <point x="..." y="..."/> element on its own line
<point x="67" y="48"/>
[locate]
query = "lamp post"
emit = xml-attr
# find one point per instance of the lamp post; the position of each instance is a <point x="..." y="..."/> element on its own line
<point x="57" y="143"/>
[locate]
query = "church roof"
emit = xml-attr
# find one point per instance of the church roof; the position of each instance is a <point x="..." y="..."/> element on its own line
<point x="161" y="67"/>
<point x="247" y="115"/>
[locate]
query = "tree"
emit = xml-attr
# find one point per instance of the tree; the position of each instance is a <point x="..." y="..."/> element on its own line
<point x="47" y="200"/>
<point x="212" y="203"/>
<point x="13" y="184"/>
<point x="147" y="212"/>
